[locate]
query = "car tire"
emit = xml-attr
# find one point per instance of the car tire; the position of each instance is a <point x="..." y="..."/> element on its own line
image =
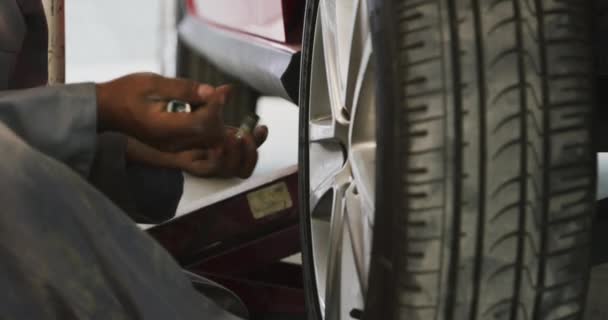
<point x="485" y="168"/>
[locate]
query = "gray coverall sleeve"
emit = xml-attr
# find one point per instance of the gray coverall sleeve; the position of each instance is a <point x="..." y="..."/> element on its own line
<point x="59" y="121"/>
<point x="147" y="194"/>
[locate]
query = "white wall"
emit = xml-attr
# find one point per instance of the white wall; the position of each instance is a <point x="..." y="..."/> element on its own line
<point x="109" y="38"/>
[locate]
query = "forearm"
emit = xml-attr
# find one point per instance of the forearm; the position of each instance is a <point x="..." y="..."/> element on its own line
<point x="59" y="121"/>
<point x="155" y="180"/>
<point x="148" y="191"/>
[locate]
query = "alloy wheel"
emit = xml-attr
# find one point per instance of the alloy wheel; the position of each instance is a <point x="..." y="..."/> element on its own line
<point x="342" y="155"/>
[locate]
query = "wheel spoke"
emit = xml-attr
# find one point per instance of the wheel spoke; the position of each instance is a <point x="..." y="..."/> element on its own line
<point x="326" y="121"/>
<point x="321" y="130"/>
<point x="351" y="293"/>
<point x="327" y="228"/>
<point x="363" y="162"/>
<point x="345" y="31"/>
<point x="326" y="130"/>
<point x="360" y="233"/>
<point x="334" y="261"/>
<point x="326" y="161"/>
<point x="359" y="54"/>
<point x="362" y="133"/>
<point x="320" y="231"/>
<point x="328" y="54"/>
<point x="361" y="83"/>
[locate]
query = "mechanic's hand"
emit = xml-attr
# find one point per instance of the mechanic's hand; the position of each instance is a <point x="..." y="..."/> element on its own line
<point x="233" y="158"/>
<point x="136" y="104"/>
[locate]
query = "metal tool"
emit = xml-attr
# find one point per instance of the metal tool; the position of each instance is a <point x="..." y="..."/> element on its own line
<point x="247" y="126"/>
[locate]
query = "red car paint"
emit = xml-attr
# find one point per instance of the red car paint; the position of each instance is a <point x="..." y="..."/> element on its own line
<point x="277" y="20"/>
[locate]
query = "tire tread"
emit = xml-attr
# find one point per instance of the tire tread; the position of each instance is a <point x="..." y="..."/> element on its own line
<point x="521" y="88"/>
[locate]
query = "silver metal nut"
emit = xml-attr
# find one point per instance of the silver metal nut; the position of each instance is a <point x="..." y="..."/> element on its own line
<point x="176" y="106"/>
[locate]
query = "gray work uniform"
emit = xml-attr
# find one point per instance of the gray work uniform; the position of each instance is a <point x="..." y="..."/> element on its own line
<point x="66" y="251"/>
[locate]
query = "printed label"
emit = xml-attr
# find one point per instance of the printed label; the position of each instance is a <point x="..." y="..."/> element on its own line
<point x="269" y="200"/>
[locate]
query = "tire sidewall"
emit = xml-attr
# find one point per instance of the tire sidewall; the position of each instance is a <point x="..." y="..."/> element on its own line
<point x="310" y="284"/>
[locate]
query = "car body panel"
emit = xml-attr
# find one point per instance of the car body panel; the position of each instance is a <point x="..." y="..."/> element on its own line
<point x="276" y="20"/>
<point x="255" y="41"/>
<point x="262" y="64"/>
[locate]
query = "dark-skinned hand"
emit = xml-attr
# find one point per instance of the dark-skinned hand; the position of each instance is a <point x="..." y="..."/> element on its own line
<point x="232" y="158"/>
<point x="135" y="105"/>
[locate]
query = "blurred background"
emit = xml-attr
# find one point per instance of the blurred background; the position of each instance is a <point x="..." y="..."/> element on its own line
<point x="111" y="38"/>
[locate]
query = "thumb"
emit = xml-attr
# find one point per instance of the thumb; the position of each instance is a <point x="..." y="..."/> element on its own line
<point x="201" y="163"/>
<point x="217" y="101"/>
<point x="260" y="134"/>
<point x="224" y="92"/>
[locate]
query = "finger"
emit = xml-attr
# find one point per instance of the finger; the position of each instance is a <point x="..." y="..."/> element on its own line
<point x="226" y="92"/>
<point x="206" y="136"/>
<point x="204" y="168"/>
<point x="196" y="155"/>
<point x="231" y="131"/>
<point x="181" y="131"/>
<point x="176" y="144"/>
<point x="182" y="89"/>
<point x="174" y="127"/>
<point x="203" y="163"/>
<point x="260" y="134"/>
<point x="185" y="159"/>
<point x="233" y="155"/>
<point x="250" y="157"/>
<point x="214" y="104"/>
<point x="217" y="101"/>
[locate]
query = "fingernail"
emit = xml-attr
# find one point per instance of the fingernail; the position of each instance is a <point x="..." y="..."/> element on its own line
<point x="204" y="91"/>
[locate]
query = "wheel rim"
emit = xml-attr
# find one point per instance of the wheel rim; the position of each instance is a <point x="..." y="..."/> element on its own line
<point x="342" y="155"/>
